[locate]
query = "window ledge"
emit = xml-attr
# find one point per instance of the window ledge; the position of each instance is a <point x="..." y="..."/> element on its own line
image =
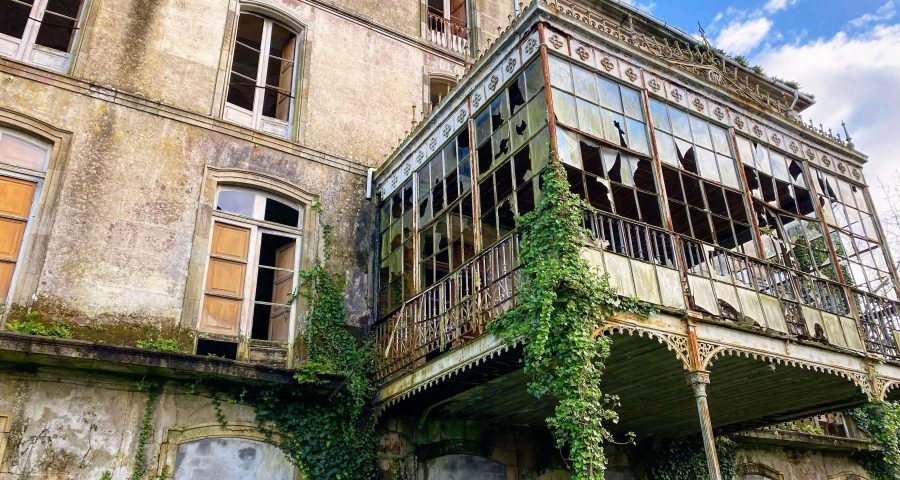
<point x="82" y="355"/>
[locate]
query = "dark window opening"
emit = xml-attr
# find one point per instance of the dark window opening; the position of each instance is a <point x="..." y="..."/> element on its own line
<point x="438" y="89"/>
<point x="217" y="348"/>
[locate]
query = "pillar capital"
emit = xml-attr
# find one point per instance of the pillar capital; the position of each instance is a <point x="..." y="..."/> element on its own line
<point x="698" y="380"/>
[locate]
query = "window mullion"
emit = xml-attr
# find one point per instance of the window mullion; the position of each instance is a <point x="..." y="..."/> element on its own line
<point x="31" y="29"/>
<point x="260" y="92"/>
<point x="246" y="327"/>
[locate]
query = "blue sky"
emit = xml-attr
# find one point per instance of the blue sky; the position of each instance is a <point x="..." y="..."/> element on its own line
<point x="845" y="52"/>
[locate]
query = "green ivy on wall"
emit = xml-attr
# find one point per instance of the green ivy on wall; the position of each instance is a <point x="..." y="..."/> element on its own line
<point x="682" y="459"/>
<point x="332" y="436"/>
<point x="561" y="303"/>
<point x="881" y="422"/>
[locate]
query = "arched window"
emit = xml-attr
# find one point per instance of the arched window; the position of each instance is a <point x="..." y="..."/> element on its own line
<point x="23" y="161"/>
<point x="757" y="471"/>
<point x="438" y="88"/>
<point x="263" y="69"/>
<point x="41" y="32"/>
<point x="223" y="458"/>
<point x="251" y="272"/>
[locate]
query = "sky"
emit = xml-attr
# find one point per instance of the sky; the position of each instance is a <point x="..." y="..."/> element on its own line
<point x="845" y="52"/>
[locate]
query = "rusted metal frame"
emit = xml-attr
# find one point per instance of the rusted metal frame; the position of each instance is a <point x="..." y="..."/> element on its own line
<point x="832" y="251"/>
<point x="892" y="267"/>
<point x="698" y="381"/>
<point x="745" y="189"/>
<point x="548" y="93"/>
<point x="754" y="219"/>
<point x="476" y="216"/>
<point x="677" y="247"/>
<point x="810" y="181"/>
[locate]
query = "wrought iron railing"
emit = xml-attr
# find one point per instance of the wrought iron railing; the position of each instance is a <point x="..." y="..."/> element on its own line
<point x="880" y="319"/>
<point x="631" y="239"/>
<point x="450" y="312"/>
<point x="448" y="33"/>
<point x="459" y="307"/>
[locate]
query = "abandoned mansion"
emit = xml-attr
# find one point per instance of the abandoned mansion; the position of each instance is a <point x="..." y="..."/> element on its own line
<point x="257" y="239"/>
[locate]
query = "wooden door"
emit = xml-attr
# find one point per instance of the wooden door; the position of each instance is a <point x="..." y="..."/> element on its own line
<point x="226" y="274"/>
<point x="279" y="321"/>
<point x="16" y="197"/>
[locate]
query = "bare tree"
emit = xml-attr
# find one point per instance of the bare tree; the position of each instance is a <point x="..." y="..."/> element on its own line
<point x="890" y="214"/>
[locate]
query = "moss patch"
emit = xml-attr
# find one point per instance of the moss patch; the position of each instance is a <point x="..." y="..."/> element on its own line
<point x="121" y="330"/>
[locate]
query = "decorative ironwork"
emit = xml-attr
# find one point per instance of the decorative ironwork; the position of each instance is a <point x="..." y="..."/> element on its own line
<point x="880" y="319"/>
<point x="702" y="61"/>
<point x="451" y="312"/>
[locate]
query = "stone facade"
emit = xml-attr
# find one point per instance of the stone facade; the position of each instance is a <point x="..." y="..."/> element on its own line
<point x="118" y="240"/>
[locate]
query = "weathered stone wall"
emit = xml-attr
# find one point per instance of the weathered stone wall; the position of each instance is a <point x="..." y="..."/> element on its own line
<point x="125" y="218"/>
<point x="361" y="68"/>
<point x="802" y="463"/>
<point x="66" y="426"/>
<point x="143" y="132"/>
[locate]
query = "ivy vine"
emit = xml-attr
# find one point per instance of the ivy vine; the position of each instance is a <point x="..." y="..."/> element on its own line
<point x="881" y="422"/>
<point x="152" y="391"/>
<point x="682" y="458"/>
<point x="327" y="436"/>
<point x="562" y="302"/>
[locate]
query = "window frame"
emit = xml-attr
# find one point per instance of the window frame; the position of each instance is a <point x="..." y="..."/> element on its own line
<point x="27" y="50"/>
<point x="255" y="119"/>
<point x="257" y="228"/>
<point x="37" y="177"/>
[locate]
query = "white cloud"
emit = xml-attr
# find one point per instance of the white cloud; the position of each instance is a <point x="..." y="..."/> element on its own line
<point x="885" y="12"/>
<point x="740" y="38"/>
<point x="776" y="5"/>
<point x="854" y="77"/>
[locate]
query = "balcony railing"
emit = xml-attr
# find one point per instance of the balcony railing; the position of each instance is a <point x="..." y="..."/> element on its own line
<point x="450" y="312"/>
<point x="459" y="307"/>
<point x="448" y="33"/>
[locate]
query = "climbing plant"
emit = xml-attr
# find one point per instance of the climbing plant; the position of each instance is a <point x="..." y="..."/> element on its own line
<point x="328" y="436"/>
<point x="881" y="422"/>
<point x="681" y="459"/>
<point x="561" y="303"/>
<point x="152" y="390"/>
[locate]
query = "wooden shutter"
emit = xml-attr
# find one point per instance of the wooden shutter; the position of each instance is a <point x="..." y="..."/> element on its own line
<point x="279" y="320"/>
<point x="16" y="197"/>
<point x="226" y="275"/>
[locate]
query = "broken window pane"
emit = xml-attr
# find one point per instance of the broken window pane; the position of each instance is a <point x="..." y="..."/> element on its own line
<point x="284" y="214"/>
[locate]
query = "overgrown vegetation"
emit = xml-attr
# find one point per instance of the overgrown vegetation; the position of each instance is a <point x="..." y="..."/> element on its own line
<point x="140" y="461"/>
<point x="158" y="343"/>
<point x="31" y="325"/>
<point x="881" y="422"/>
<point x="562" y="302"/>
<point x="328" y="436"/>
<point x="682" y="459"/>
